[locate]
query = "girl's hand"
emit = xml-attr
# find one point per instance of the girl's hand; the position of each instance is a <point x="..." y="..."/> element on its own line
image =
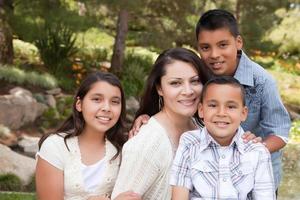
<point x="142" y="119"/>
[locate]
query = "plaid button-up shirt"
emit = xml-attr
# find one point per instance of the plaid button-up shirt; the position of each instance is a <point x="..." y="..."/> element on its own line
<point x="209" y="171"/>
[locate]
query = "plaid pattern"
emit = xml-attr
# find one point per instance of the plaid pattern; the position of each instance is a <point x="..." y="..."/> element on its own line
<point x="209" y="171"/>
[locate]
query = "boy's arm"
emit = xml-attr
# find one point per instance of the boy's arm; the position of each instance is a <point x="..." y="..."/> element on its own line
<point x="275" y="121"/>
<point x="180" y="193"/>
<point x="264" y="187"/>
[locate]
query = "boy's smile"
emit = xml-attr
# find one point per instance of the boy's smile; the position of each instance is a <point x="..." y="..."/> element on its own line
<point x="218" y="49"/>
<point x="222" y="111"/>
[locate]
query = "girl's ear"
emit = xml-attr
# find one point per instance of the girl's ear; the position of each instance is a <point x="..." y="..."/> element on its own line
<point x="78" y="105"/>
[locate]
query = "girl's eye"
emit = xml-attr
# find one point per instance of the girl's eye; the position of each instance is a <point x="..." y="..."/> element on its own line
<point x="96" y="99"/>
<point x="211" y="105"/>
<point x="116" y="102"/>
<point x="231" y="106"/>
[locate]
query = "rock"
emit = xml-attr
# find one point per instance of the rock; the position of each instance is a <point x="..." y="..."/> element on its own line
<point x="19" y="108"/>
<point x="12" y="162"/>
<point x="132" y="105"/>
<point x="29" y="145"/>
<point x="54" y="91"/>
<point x="50" y="100"/>
<point x="294" y="115"/>
<point x="7" y="137"/>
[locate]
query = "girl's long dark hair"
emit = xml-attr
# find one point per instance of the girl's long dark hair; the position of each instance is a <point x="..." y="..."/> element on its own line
<point x="149" y="103"/>
<point x="74" y="124"/>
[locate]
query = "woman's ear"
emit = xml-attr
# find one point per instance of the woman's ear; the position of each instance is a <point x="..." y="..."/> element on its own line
<point x="159" y="91"/>
<point x="78" y="105"/>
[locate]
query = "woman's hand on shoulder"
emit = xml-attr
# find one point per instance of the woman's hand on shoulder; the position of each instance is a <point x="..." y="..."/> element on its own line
<point x="248" y="136"/>
<point x="129" y="195"/>
<point x="142" y="119"/>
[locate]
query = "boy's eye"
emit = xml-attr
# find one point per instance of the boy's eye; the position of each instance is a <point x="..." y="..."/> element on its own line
<point x="223" y="45"/>
<point x="232" y="106"/>
<point x="204" y="48"/>
<point x="211" y="105"/>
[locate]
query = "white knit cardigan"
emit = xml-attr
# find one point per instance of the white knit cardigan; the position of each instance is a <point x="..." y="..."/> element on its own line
<point x="73" y="180"/>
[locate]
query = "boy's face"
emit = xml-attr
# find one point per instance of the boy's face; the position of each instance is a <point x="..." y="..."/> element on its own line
<point x="222" y="111"/>
<point x="218" y="49"/>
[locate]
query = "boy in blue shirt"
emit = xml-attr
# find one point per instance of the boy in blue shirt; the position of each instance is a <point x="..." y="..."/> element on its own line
<point x="220" y="46"/>
<point x="214" y="162"/>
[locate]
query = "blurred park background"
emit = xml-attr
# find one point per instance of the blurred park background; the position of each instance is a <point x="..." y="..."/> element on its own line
<point x="48" y="46"/>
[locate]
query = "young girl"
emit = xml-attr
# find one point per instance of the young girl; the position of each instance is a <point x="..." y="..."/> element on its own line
<point x="81" y="160"/>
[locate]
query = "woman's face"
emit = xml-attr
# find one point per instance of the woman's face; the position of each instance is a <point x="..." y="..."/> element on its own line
<point x="180" y="88"/>
<point x="100" y="107"/>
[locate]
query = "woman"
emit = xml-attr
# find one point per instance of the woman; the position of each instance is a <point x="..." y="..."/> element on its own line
<point x="81" y="160"/>
<point x="171" y="98"/>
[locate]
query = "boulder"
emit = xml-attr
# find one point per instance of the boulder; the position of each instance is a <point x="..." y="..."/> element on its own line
<point x="54" y="91"/>
<point x="12" y="162"/>
<point x="132" y="105"/>
<point x="19" y="108"/>
<point x="29" y="145"/>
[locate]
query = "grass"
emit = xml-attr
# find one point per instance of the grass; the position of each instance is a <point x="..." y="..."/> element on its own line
<point x="16" y="196"/>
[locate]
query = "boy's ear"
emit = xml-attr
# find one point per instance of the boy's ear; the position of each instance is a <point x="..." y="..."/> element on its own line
<point x="78" y="105"/>
<point x="244" y="114"/>
<point x="200" y="110"/>
<point x="239" y="42"/>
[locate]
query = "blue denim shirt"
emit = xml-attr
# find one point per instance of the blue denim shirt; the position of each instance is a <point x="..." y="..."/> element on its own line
<point x="267" y="114"/>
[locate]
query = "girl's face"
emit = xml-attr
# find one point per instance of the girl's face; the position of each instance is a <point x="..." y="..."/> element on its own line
<point x="100" y="107"/>
<point x="180" y="88"/>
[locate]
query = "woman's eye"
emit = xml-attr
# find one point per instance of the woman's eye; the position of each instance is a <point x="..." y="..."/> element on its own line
<point x="211" y="105"/>
<point x="116" y="102"/>
<point x="204" y="48"/>
<point x="195" y="81"/>
<point x="232" y="107"/>
<point x="223" y="45"/>
<point x="175" y="83"/>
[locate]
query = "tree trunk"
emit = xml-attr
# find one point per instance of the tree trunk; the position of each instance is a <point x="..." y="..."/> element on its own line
<point x="119" y="46"/>
<point x="238" y="11"/>
<point x="6" y="45"/>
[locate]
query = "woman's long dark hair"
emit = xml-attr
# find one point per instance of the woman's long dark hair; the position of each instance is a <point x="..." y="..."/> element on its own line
<point x="74" y="124"/>
<point x="149" y="103"/>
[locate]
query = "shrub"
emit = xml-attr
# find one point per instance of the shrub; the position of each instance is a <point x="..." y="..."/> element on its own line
<point x="10" y="182"/>
<point x="135" y="70"/>
<point x="56" y="45"/>
<point x="25" y="52"/>
<point x="19" y="76"/>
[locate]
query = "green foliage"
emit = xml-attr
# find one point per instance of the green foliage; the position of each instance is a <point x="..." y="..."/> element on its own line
<point x="25" y="52"/>
<point x="295" y="131"/>
<point x="21" y="77"/>
<point x="56" y="45"/>
<point x="94" y="38"/>
<point x="286" y="34"/>
<point x="17" y="196"/>
<point x="135" y="71"/>
<point x="92" y="57"/>
<point x="10" y="182"/>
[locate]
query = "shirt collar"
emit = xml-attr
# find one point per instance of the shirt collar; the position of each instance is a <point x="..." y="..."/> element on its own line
<point x="237" y="140"/>
<point x="244" y="71"/>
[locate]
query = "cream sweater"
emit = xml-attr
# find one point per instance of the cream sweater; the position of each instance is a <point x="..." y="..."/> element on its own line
<point x="146" y="163"/>
<point x="56" y="153"/>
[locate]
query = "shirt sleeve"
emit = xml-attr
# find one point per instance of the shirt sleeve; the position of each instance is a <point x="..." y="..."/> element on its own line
<point x="138" y="170"/>
<point x="264" y="187"/>
<point x="274" y="117"/>
<point x="180" y="172"/>
<point x="51" y="151"/>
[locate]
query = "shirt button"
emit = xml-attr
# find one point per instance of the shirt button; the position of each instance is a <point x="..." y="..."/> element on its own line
<point x="224" y="179"/>
<point x="108" y="179"/>
<point x="223" y="156"/>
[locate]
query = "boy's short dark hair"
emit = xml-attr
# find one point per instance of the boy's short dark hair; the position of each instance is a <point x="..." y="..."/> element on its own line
<point x="216" y="19"/>
<point x="223" y="80"/>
